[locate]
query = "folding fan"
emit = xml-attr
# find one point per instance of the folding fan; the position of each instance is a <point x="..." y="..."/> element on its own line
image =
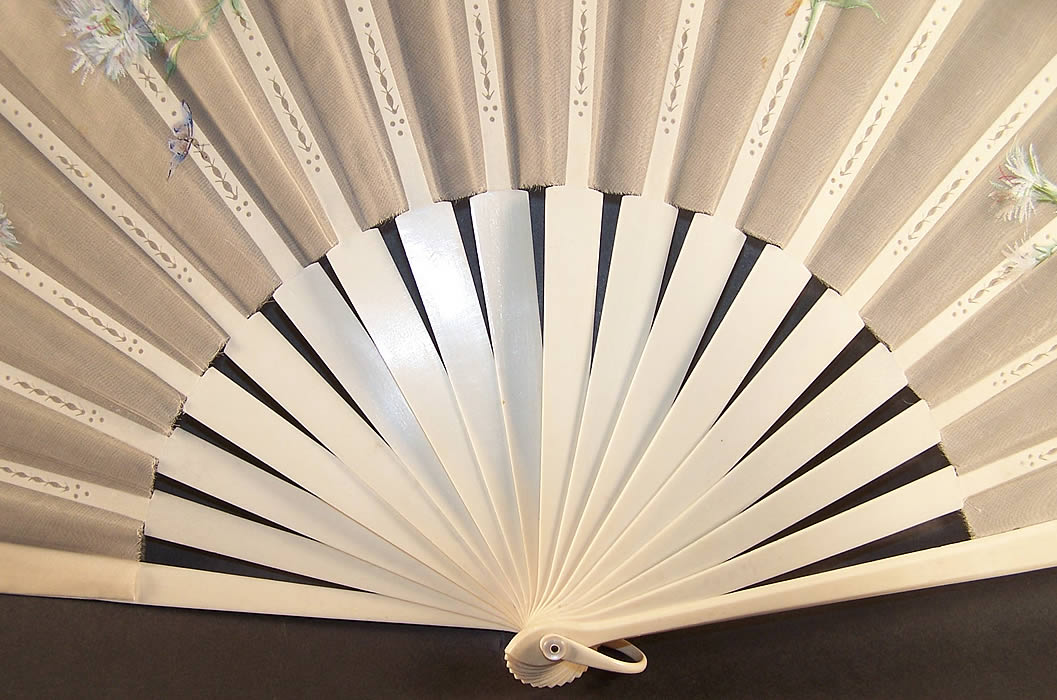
<point x="285" y="331"/>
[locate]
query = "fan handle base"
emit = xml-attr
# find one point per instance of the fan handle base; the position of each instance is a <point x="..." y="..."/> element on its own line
<point x="555" y="660"/>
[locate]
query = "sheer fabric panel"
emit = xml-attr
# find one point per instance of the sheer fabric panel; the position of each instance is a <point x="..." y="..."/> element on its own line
<point x="113" y="127"/>
<point x="942" y="118"/>
<point x="1014" y="420"/>
<point x="967" y="243"/>
<point x="68" y="238"/>
<point x="430" y="54"/>
<point x="534" y="45"/>
<point x="315" y="49"/>
<point x="736" y="50"/>
<point x="37" y="436"/>
<point x="825" y="106"/>
<point x="37" y="339"/>
<point x="1029" y="500"/>
<point x="635" y="40"/>
<point x="39" y="520"/>
<point x="217" y="81"/>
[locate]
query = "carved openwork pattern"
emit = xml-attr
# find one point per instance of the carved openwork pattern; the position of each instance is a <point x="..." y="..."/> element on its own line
<point x="59" y="486"/>
<point x="48" y="397"/>
<point x="581" y="55"/>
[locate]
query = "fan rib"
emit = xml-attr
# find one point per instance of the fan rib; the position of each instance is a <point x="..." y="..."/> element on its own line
<point x="573" y="214"/>
<point x="480" y="38"/>
<point x="190" y="588"/>
<point x="707" y="257"/>
<point x="434" y="247"/>
<point x="52" y="572"/>
<point x="157" y="92"/>
<point x="927" y="498"/>
<point x="390" y="102"/>
<point x="95" y="321"/>
<point x="968" y="304"/>
<point x="1002" y="471"/>
<point x="186" y="523"/>
<point x="823" y="333"/>
<point x="643" y="238"/>
<point x="680" y="68"/>
<point x="508" y="273"/>
<point x="861" y="463"/>
<point x="298" y="388"/>
<point x="733" y="348"/>
<point x="125" y="218"/>
<point x="268" y="437"/>
<point x="582" y="94"/>
<point x="785" y="69"/>
<point x="85" y="412"/>
<point x="999" y="379"/>
<point x="195" y="463"/>
<point x="347" y="349"/>
<point x="835" y="411"/>
<point x="1026" y="549"/>
<point x="376" y="289"/>
<point x="665" y="422"/>
<point x="289" y="116"/>
<point x="253" y="415"/>
<point x="53" y="484"/>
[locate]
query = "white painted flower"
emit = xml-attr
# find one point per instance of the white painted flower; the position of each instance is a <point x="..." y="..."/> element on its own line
<point x="7" y="229"/>
<point x="1019" y="257"/>
<point x="111" y="34"/>
<point x="1022" y="256"/>
<point x="1021" y="185"/>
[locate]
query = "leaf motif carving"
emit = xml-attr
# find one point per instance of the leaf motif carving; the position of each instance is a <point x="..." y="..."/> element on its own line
<point x="298" y="129"/>
<point x="50" y="398"/>
<point x="846" y="170"/>
<point x="379" y="70"/>
<point x="10" y="262"/>
<point x="482" y="57"/>
<point x="34" y="479"/>
<point x="918" y="47"/>
<point x="98" y="322"/>
<point x="913" y="235"/>
<point x="1031" y="363"/>
<point x="773" y="103"/>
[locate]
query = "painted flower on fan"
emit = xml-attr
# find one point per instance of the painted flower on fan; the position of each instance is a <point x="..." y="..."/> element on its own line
<point x="110" y="34"/>
<point x="7" y="229"/>
<point x="1023" y="256"/>
<point x="1021" y="185"/>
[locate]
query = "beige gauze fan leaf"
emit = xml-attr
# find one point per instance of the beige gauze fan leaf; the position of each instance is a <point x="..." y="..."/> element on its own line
<point x="761" y="343"/>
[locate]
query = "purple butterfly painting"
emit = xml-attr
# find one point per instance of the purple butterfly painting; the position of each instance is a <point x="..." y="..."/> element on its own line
<point x="182" y="139"/>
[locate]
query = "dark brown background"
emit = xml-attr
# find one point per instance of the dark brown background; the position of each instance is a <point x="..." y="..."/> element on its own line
<point x="993" y="638"/>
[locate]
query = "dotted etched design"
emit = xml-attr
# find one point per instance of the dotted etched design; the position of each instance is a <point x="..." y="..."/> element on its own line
<point x="58" y="296"/>
<point x="677" y="71"/>
<point x="152" y="244"/>
<point x="262" y="66"/>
